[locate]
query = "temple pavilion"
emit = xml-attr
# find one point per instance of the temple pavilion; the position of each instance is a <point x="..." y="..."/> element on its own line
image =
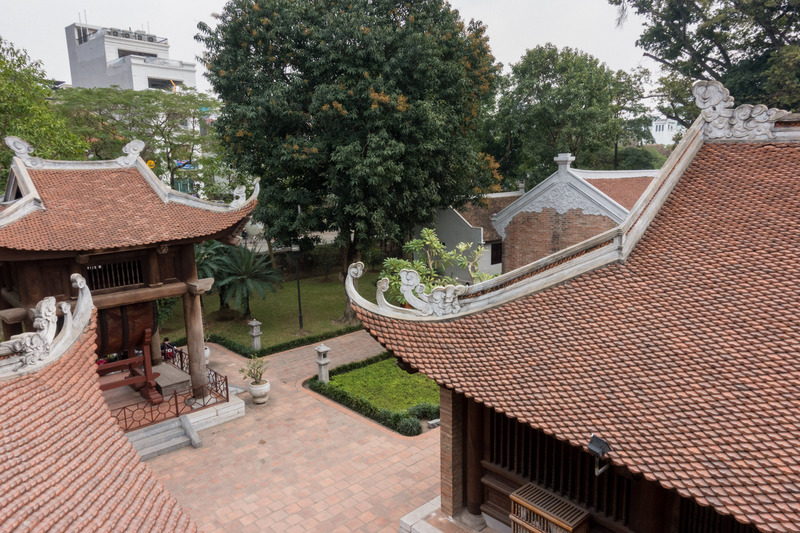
<point x="116" y="224"/>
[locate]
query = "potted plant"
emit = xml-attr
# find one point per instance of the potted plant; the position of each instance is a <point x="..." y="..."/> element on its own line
<point x="257" y="386"/>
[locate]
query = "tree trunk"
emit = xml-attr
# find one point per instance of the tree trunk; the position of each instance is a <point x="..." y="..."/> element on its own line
<point x="616" y="154"/>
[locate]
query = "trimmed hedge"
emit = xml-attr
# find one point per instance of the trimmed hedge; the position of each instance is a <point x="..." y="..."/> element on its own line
<point x="404" y="422"/>
<point x="248" y="352"/>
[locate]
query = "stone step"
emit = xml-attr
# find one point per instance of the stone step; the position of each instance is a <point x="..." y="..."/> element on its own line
<point x="164" y="447"/>
<point x="154" y="430"/>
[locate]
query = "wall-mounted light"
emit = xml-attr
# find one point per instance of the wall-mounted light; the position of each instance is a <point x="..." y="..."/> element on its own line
<point x="598" y="447"/>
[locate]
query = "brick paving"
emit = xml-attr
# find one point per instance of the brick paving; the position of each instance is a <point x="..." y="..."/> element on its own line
<point x="301" y="462"/>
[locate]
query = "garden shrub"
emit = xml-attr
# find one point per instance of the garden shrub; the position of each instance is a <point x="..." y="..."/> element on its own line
<point x="427" y="411"/>
<point x="406" y="422"/>
<point x="409" y="426"/>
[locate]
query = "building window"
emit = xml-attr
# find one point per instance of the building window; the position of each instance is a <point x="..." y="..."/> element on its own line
<point x="497" y="253"/>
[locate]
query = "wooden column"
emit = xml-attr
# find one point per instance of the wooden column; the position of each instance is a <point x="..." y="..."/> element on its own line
<point x="193" y="319"/>
<point x="647" y="506"/>
<point x="451" y="448"/>
<point x="155" y="348"/>
<point x="474" y="454"/>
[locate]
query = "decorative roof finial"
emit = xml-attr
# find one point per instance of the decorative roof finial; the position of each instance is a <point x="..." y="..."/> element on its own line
<point x="133" y="149"/>
<point x="724" y="122"/>
<point x="29" y="351"/>
<point x="23" y="150"/>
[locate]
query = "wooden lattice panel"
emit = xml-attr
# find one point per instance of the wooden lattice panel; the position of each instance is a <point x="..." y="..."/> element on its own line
<point x="534" y="509"/>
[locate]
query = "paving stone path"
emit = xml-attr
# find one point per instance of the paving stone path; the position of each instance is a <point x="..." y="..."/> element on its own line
<point x="300" y="462"/>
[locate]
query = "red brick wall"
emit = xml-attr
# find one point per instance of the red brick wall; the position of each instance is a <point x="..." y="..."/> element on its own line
<point x="531" y="236"/>
<point x="451" y="410"/>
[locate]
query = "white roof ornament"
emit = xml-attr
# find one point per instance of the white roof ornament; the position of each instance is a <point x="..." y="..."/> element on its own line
<point x="23" y="150"/>
<point x="440" y="302"/>
<point x="133" y="149"/>
<point x="239" y="196"/>
<point x="32" y="350"/>
<point x="724" y="122"/>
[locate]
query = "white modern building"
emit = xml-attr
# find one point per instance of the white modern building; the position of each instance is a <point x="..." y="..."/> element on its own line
<point x="102" y="57"/>
<point x="665" y="129"/>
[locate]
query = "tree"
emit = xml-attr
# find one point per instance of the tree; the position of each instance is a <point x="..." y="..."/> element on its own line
<point x="751" y="46"/>
<point x="171" y="124"/>
<point x="359" y="114"/>
<point x="566" y="101"/>
<point x="431" y="257"/>
<point x="243" y="273"/>
<point x="26" y="113"/>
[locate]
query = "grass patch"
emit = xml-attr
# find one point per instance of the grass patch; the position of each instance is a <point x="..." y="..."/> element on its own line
<point x="378" y="389"/>
<point x="323" y="302"/>
<point x="386" y="386"/>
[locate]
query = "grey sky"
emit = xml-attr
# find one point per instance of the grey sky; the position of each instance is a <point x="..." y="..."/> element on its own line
<point x="513" y="27"/>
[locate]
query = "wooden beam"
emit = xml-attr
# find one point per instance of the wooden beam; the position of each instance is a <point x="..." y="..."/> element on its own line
<point x="116" y="299"/>
<point x="201" y="286"/>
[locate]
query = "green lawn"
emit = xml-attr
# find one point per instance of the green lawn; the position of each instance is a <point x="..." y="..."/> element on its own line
<point x="323" y="302"/>
<point x="386" y="386"/>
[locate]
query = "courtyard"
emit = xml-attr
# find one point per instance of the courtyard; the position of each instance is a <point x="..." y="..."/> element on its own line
<point x="301" y="462"/>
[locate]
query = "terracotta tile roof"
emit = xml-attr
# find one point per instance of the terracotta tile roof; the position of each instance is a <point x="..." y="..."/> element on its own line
<point x="625" y="191"/>
<point x="107" y="209"/>
<point x="686" y="357"/>
<point x="479" y="214"/>
<point x="64" y="463"/>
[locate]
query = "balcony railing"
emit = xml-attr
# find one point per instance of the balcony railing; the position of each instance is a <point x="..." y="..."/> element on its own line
<point x="143" y="414"/>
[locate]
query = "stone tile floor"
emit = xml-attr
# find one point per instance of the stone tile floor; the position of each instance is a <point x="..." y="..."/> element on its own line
<point x="301" y="462"/>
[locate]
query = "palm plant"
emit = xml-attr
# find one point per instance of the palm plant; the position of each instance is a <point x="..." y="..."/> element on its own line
<point x="207" y="257"/>
<point x="243" y="272"/>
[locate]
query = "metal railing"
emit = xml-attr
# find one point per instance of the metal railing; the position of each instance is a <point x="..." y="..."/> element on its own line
<point x="142" y="414"/>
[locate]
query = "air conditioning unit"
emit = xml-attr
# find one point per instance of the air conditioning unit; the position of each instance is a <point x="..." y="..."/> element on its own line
<point x="115" y="33"/>
<point x="535" y="510"/>
<point x="126" y="34"/>
<point x="151" y="38"/>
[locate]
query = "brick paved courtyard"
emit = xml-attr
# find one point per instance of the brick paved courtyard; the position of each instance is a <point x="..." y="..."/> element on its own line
<point x="301" y="462"/>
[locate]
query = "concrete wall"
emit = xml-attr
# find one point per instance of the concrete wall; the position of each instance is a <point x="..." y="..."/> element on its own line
<point x="531" y="236"/>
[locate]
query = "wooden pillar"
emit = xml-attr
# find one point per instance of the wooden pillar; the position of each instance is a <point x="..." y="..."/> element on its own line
<point x="451" y="409"/>
<point x="155" y="348"/>
<point x="474" y="454"/>
<point x="647" y="506"/>
<point x="193" y="319"/>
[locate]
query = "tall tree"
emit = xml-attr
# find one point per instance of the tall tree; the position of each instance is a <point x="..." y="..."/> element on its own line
<point x="566" y="101"/>
<point x="360" y="112"/>
<point x="171" y="124"/>
<point x="26" y="113"/>
<point x="751" y="46"/>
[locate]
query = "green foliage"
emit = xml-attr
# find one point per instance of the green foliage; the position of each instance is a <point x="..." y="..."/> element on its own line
<point x="426" y="411"/>
<point x="431" y="258"/>
<point x="244" y="272"/>
<point x="387" y="386"/>
<point x="751" y="47"/>
<point x="326" y="257"/>
<point x="254" y="369"/>
<point x="564" y="101"/>
<point x="171" y="124"/>
<point x="165" y="309"/>
<point x="367" y="375"/>
<point x="26" y="113"/>
<point x="362" y="112"/>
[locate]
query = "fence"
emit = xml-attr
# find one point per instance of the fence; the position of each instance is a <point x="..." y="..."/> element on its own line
<point x="143" y="414"/>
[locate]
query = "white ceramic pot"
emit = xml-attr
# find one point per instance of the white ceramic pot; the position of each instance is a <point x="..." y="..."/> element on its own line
<point x="207" y="353"/>
<point x="259" y="392"/>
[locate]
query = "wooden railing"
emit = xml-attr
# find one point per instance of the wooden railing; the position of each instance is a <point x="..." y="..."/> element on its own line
<point x="143" y="414"/>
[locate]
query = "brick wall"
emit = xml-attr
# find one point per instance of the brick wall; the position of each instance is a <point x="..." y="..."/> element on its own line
<point x="531" y="236"/>
<point x="451" y="410"/>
